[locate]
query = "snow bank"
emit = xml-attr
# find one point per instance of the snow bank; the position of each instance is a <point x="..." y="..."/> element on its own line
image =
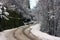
<point x="44" y="36"/>
<point x="3" y="34"/>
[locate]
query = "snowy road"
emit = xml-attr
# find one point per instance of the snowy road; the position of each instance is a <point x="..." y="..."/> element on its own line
<point x="27" y="32"/>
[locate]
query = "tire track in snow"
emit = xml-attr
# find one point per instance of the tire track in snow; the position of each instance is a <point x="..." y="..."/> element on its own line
<point x="27" y="32"/>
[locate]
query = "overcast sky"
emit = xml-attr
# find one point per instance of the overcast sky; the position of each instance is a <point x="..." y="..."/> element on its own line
<point x="33" y="3"/>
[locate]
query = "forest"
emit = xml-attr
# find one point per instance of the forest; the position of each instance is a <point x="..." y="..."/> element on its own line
<point x="23" y="11"/>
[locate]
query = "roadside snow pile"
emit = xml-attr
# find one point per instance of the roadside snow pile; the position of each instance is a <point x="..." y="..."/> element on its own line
<point x="44" y="36"/>
<point x="3" y="34"/>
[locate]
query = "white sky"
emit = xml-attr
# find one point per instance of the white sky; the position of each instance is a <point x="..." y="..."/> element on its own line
<point x="33" y="3"/>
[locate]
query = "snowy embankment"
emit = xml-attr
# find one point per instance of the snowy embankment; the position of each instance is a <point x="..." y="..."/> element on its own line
<point x="3" y="34"/>
<point x="44" y="36"/>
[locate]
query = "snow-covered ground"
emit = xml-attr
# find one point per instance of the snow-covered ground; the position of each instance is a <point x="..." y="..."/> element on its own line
<point x="44" y="36"/>
<point x="35" y="31"/>
<point x="3" y="34"/>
